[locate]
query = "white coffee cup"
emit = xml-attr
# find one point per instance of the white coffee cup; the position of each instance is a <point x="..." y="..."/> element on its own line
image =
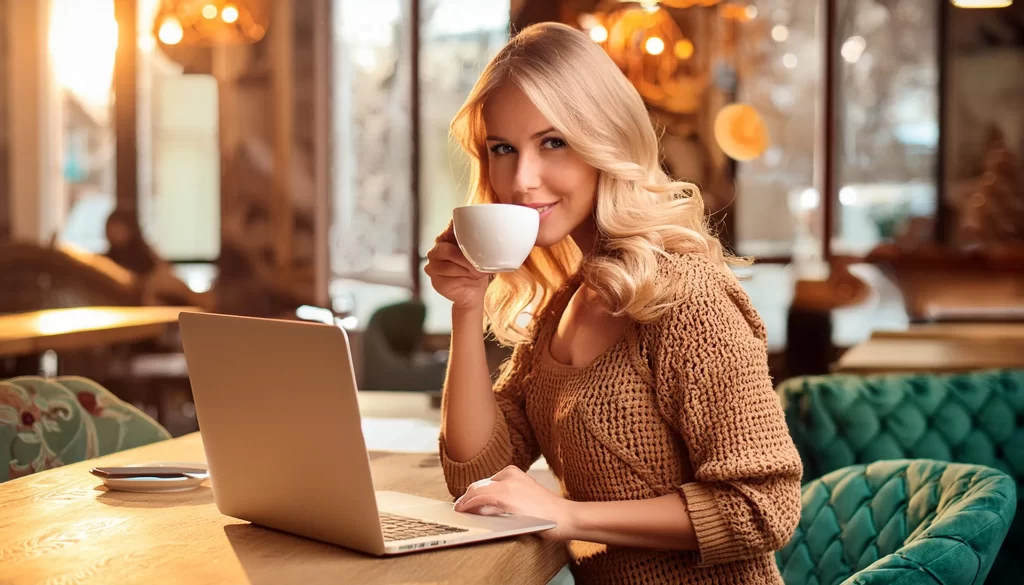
<point x="496" y="237"/>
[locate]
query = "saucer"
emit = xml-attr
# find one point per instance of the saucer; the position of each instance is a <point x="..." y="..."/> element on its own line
<point x="158" y="484"/>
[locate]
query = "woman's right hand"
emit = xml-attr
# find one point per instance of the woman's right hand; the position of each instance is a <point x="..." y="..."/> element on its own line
<point x="452" y="276"/>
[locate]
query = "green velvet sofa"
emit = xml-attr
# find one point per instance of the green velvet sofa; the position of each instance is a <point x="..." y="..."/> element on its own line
<point x="976" y="418"/>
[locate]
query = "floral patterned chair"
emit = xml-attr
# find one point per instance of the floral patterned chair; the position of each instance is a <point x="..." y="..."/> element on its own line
<point x="46" y="423"/>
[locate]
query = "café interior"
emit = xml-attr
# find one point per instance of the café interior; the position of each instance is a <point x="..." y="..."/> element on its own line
<point x="291" y="160"/>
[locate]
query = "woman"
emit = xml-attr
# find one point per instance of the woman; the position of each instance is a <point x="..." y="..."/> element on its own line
<point x="642" y="376"/>
<point x="159" y="284"/>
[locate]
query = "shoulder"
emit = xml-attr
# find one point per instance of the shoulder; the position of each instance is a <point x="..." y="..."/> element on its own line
<point x="707" y="300"/>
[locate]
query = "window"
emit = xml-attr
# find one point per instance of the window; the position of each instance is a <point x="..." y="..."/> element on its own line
<point x="886" y="126"/>
<point x="371" y="230"/>
<point x="82" y="40"/>
<point x="778" y="212"/>
<point x="888" y="122"/>
<point x="178" y="197"/>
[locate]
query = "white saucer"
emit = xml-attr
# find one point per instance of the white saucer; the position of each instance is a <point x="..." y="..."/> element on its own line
<point x="158" y="484"/>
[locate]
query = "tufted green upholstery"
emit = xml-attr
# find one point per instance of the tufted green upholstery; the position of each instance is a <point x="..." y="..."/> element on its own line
<point x="906" y="521"/>
<point x="976" y="418"/>
<point x="46" y="423"/>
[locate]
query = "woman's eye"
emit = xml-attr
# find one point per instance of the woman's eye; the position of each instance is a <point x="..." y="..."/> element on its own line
<point x="553" y="143"/>
<point x="501" y="149"/>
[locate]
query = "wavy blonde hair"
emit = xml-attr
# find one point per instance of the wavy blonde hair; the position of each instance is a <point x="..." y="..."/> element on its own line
<point x="640" y="212"/>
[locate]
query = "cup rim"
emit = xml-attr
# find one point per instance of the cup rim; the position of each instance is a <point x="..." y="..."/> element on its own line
<point x="473" y="205"/>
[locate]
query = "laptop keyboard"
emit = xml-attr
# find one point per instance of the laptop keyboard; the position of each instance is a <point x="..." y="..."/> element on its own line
<point x="402" y="528"/>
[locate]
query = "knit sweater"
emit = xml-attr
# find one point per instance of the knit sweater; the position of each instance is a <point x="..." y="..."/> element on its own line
<point x="683" y="404"/>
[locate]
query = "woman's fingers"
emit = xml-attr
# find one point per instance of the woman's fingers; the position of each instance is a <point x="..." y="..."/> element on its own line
<point x="448" y="235"/>
<point x="447" y="270"/>
<point x="483" y="506"/>
<point x="445" y="252"/>
<point x="477" y="501"/>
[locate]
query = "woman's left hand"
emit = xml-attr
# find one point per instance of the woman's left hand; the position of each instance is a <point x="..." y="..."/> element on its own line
<point x="515" y="492"/>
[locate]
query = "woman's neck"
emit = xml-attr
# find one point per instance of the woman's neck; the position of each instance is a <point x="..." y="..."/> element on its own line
<point x="585" y="237"/>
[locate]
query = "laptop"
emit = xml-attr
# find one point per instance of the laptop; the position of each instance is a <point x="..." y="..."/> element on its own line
<point x="278" y="414"/>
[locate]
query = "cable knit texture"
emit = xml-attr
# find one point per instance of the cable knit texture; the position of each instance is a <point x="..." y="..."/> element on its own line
<point x="683" y="404"/>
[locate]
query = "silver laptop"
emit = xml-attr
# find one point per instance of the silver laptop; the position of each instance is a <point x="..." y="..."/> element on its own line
<point x="278" y="413"/>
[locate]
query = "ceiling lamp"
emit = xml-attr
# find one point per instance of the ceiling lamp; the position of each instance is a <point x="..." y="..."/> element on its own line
<point x="740" y="132"/>
<point x="647" y="45"/>
<point x="982" y="3"/>
<point x="205" y="23"/>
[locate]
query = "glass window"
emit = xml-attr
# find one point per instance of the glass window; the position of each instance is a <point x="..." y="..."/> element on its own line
<point x="82" y="40"/>
<point x="778" y="209"/>
<point x="458" y="39"/>
<point x="984" y="126"/>
<point x="178" y="141"/>
<point x="177" y="136"/>
<point x="370" y="235"/>
<point x="887" y="75"/>
<point x="886" y="127"/>
<point x="371" y="245"/>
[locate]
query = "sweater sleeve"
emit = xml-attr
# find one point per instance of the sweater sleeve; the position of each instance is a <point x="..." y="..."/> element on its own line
<point x="512" y="441"/>
<point x="709" y="361"/>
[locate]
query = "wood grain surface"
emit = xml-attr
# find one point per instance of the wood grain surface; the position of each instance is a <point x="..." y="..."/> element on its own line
<point x="896" y="355"/>
<point x="61" y="527"/>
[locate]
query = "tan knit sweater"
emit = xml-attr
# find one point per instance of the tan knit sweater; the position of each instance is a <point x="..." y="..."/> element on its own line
<point x="684" y="404"/>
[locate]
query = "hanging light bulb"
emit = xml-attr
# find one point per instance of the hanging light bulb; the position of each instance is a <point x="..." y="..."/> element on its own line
<point x="229" y="14"/>
<point x="741" y="132"/>
<point x="683" y="49"/>
<point x="204" y="24"/>
<point x="170" y="32"/>
<point x="654" y="46"/>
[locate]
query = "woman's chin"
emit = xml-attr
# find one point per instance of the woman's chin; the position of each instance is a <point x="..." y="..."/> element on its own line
<point x="546" y="240"/>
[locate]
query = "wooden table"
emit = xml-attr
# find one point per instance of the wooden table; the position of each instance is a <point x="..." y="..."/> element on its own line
<point x="1009" y="332"/>
<point x="73" y="329"/>
<point x="892" y="355"/>
<point x="59" y="526"/>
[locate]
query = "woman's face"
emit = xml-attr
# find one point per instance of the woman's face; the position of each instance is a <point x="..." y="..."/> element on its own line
<point x="531" y="164"/>
<point x="118" y="234"/>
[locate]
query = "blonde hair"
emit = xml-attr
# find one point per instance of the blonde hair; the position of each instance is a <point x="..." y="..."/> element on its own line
<point x="640" y="212"/>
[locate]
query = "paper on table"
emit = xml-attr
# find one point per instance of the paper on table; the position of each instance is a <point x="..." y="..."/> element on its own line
<point x="408" y="435"/>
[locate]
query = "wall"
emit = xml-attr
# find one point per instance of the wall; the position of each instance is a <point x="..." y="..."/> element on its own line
<point x="5" y="227"/>
<point x="33" y="209"/>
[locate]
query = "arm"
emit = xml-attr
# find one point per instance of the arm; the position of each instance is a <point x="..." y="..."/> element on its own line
<point x="482" y="431"/>
<point x="713" y="387"/>
<point x="467" y="405"/>
<point x="658" y="523"/>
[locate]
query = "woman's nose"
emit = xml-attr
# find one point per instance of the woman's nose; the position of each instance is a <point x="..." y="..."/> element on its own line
<point x="527" y="177"/>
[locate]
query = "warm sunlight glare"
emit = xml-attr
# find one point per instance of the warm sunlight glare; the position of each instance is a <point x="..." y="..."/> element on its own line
<point x="75" y="319"/>
<point x="982" y="3"/>
<point x="82" y="43"/>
